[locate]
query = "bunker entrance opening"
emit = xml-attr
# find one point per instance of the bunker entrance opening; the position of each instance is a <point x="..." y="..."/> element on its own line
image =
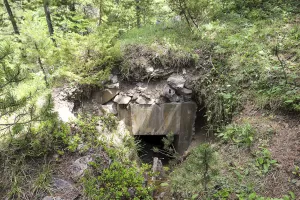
<point x="148" y="144"/>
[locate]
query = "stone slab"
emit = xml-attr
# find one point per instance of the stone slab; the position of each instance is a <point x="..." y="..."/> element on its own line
<point x="104" y="96"/>
<point x="122" y="99"/>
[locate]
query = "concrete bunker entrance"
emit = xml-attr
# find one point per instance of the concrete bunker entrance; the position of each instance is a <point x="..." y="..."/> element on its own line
<point x="150" y="123"/>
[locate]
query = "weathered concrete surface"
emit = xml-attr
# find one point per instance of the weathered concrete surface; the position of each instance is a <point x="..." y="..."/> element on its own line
<point x="176" y="118"/>
<point x="187" y="121"/>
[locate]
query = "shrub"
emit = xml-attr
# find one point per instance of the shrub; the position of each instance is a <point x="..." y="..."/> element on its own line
<point x="116" y="182"/>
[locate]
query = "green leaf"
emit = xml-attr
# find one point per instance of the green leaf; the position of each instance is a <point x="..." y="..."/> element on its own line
<point x="195" y="196"/>
<point x="266" y="168"/>
<point x="289" y="101"/>
<point x="252" y="196"/>
<point x="260" y="160"/>
<point x="164" y="184"/>
<point x="292" y="195"/>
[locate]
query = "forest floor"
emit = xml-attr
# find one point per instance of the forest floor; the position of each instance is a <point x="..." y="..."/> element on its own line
<point x="279" y="133"/>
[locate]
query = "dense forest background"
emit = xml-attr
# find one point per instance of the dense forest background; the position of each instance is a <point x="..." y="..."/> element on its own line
<point x="252" y="53"/>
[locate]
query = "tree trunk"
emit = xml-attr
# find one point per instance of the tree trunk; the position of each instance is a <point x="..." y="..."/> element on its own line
<point x="100" y="12"/>
<point x="48" y="17"/>
<point x="11" y="17"/>
<point x="72" y="6"/>
<point x="182" y="10"/>
<point x="41" y="66"/>
<point x="138" y="13"/>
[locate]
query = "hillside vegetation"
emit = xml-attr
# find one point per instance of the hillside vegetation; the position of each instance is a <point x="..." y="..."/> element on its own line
<point x="247" y="54"/>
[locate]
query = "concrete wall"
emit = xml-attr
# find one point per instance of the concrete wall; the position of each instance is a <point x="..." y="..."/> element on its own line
<point x="178" y="118"/>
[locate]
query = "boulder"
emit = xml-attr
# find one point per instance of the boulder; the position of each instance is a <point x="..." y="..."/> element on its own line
<point x="176" y="81"/>
<point x="157" y="168"/>
<point x="62" y="190"/>
<point x="110" y="107"/>
<point x="79" y="166"/>
<point x="122" y="99"/>
<point x="104" y="96"/>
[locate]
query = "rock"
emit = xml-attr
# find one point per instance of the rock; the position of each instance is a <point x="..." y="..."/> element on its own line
<point x="157" y="168"/>
<point x="131" y="192"/>
<point x="161" y="196"/>
<point x="79" y="166"/>
<point x="122" y="99"/>
<point x="149" y="69"/>
<point x="135" y="96"/>
<point x="144" y="101"/>
<point x="189" y="84"/>
<point x="176" y="81"/>
<point x="104" y="96"/>
<point x="62" y="190"/>
<point x="63" y="107"/>
<point x="141" y="87"/>
<point x="170" y="94"/>
<point x="185" y="91"/>
<point x="113" y="86"/>
<point x="52" y="198"/>
<point x="110" y="107"/>
<point x="141" y="100"/>
<point x="91" y="107"/>
<point x="114" y="79"/>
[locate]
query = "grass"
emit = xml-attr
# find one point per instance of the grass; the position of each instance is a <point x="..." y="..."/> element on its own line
<point x="176" y="35"/>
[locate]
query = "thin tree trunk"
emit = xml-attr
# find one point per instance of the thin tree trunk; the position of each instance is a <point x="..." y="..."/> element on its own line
<point x="138" y="13"/>
<point x="41" y="66"/>
<point x="72" y="6"/>
<point x="184" y="13"/>
<point x="194" y="22"/>
<point x="100" y="12"/>
<point x="48" y="17"/>
<point x="11" y="17"/>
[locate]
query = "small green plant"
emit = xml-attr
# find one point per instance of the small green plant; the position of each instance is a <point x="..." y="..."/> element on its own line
<point x="196" y="173"/>
<point x="168" y="148"/>
<point x="42" y="182"/>
<point x="119" y="181"/>
<point x="238" y="134"/>
<point x="222" y="194"/>
<point x="264" y="160"/>
<point x="296" y="171"/>
<point x="254" y="196"/>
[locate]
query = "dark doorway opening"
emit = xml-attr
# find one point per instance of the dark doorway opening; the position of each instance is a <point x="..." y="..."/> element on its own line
<point x="146" y="151"/>
<point x="201" y="133"/>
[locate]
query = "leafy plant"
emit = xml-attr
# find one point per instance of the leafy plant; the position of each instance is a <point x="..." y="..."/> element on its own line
<point x="264" y="160"/>
<point x="238" y="134"/>
<point x="119" y="181"/>
<point x="296" y="171"/>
